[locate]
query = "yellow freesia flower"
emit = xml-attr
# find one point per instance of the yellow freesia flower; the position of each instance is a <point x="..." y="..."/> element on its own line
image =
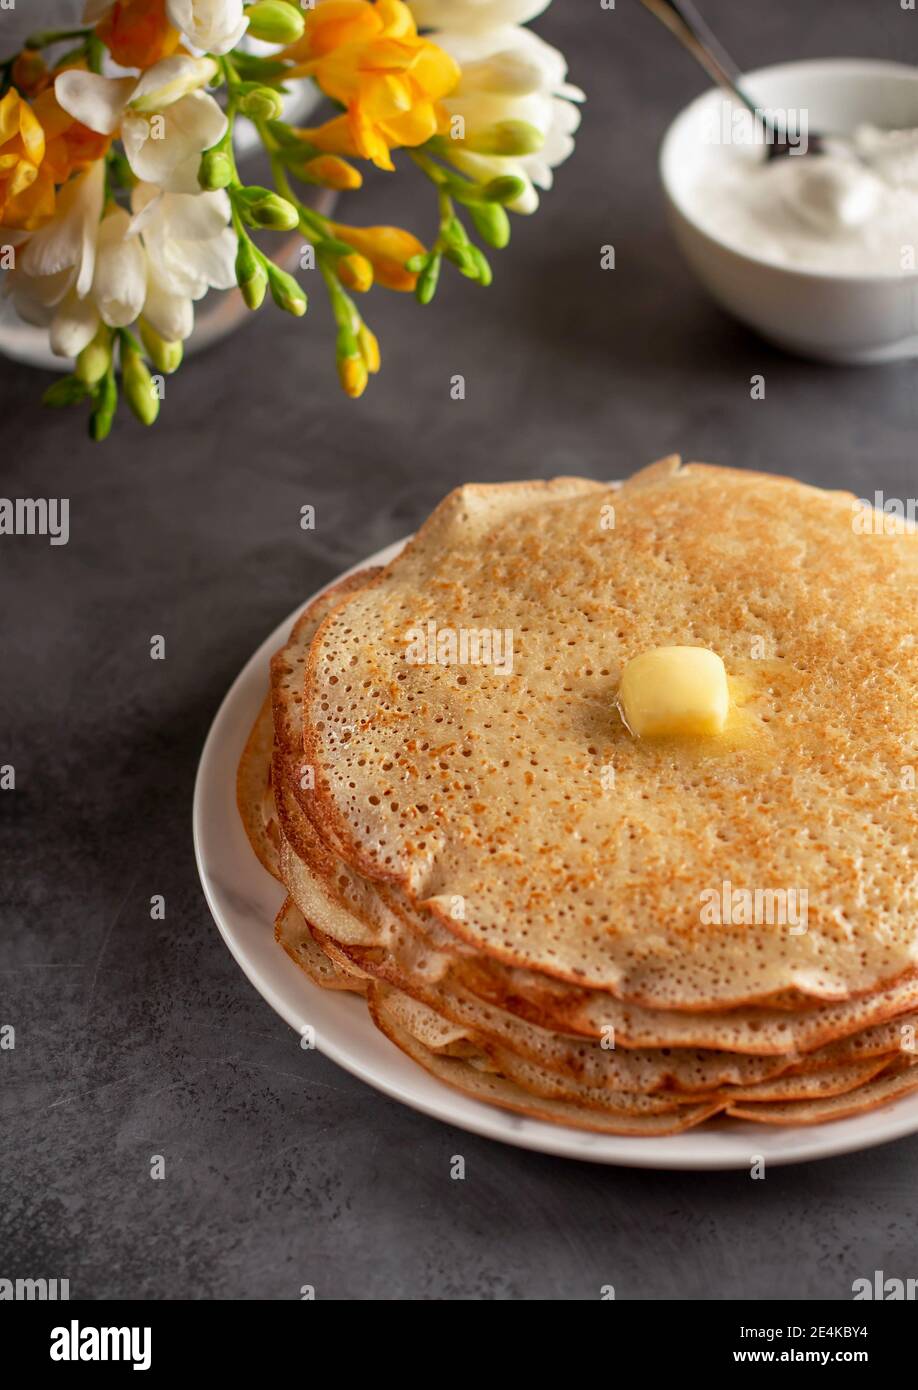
<point x="352" y="373"/>
<point x="29" y="74"/>
<point x="387" y="249"/>
<point x="26" y="198"/>
<point x="369" y="348"/>
<point x="69" y="146"/>
<point x="355" y="272"/>
<point x="40" y="147"/>
<point x="137" y="33"/>
<point x="332" y="172"/>
<point x="369" y="57"/>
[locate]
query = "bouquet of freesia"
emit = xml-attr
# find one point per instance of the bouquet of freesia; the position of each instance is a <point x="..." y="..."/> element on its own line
<point x="121" y="203"/>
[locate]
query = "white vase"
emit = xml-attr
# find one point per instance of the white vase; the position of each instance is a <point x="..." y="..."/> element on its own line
<point x="219" y="313"/>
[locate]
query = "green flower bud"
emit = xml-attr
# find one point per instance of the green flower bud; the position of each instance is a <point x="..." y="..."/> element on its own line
<point x="346" y="344"/>
<point x="480" y="261"/>
<point x="165" y="356"/>
<point x="96" y="358"/>
<point x="261" y="103"/>
<point x="285" y="291"/>
<point x="514" y="138"/>
<point x="333" y="246"/>
<point x="70" y="390"/>
<point x="215" y="171"/>
<point x="426" y="287"/>
<point x="138" y="385"/>
<point x="275" y="21"/>
<point x="255" y="288"/>
<point x="100" y="422"/>
<point x="285" y="136"/>
<point x="491" y="223"/>
<point x="505" y="189"/>
<point x="251" y="276"/>
<point x="454" y="235"/>
<point x="262" y="208"/>
<point x="251" y="68"/>
<point x="461" y="256"/>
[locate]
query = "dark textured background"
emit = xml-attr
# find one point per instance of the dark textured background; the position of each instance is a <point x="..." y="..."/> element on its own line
<point x="137" y="1037"/>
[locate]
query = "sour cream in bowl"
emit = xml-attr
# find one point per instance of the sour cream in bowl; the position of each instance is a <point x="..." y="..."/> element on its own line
<point x="819" y="253"/>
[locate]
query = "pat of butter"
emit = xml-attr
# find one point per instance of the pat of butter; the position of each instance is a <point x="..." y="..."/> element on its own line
<point x="672" y="692"/>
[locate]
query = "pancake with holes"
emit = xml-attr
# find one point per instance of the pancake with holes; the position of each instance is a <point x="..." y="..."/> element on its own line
<point x="578" y="793"/>
<point x="512" y="805"/>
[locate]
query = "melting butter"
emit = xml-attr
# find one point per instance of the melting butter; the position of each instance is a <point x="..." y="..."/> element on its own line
<point x="675" y="692"/>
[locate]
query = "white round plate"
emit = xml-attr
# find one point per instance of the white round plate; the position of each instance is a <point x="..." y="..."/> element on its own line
<point x="244" y="900"/>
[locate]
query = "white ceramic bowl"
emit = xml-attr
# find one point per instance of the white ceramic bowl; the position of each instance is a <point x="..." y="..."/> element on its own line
<point x="832" y="317"/>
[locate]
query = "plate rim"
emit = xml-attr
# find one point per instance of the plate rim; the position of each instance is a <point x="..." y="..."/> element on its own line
<point x="679" y="1152"/>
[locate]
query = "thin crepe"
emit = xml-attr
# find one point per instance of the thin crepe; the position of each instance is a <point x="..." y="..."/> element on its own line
<point x="460" y="784"/>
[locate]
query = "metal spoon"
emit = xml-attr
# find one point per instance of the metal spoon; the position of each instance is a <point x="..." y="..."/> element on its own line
<point x="683" y="20"/>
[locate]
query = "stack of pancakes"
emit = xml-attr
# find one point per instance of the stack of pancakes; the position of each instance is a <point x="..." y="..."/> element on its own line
<point x="552" y="915"/>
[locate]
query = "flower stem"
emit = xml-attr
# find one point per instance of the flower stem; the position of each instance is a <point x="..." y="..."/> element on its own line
<point x="230" y="75"/>
<point x="433" y="170"/>
<point x="47" y="37"/>
<point x="95" y="52"/>
<point x="442" y="181"/>
<point x="312" y="224"/>
<point x="452" y="241"/>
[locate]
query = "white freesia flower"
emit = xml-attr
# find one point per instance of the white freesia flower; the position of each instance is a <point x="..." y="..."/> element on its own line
<point x="55" y="273"/>
<point x="215" y="26"/>
<point x="166" y="121"/>
<point x="189" y="248"/>
<point x="80" y="271"/>
<point x="119" y="286"/>
<point x="106" y="281"/>
<point x="474" y="14"/>
<point x="510" y="74"/>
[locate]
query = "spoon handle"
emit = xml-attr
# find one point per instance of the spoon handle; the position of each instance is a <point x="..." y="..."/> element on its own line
<point x="683" y="20"/>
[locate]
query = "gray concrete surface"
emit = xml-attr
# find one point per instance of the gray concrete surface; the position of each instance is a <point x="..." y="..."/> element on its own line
<point x="136" y="1037"/>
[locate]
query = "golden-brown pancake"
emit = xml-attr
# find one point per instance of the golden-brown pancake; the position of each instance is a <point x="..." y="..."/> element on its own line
<point x="302" y="947"/>
<point x="384" y="792"/>
<point x="497" y="1090"/>
<point x="462" y="785"/>
<point x="253" y="791"/>
<point x="881" y="1091"/>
